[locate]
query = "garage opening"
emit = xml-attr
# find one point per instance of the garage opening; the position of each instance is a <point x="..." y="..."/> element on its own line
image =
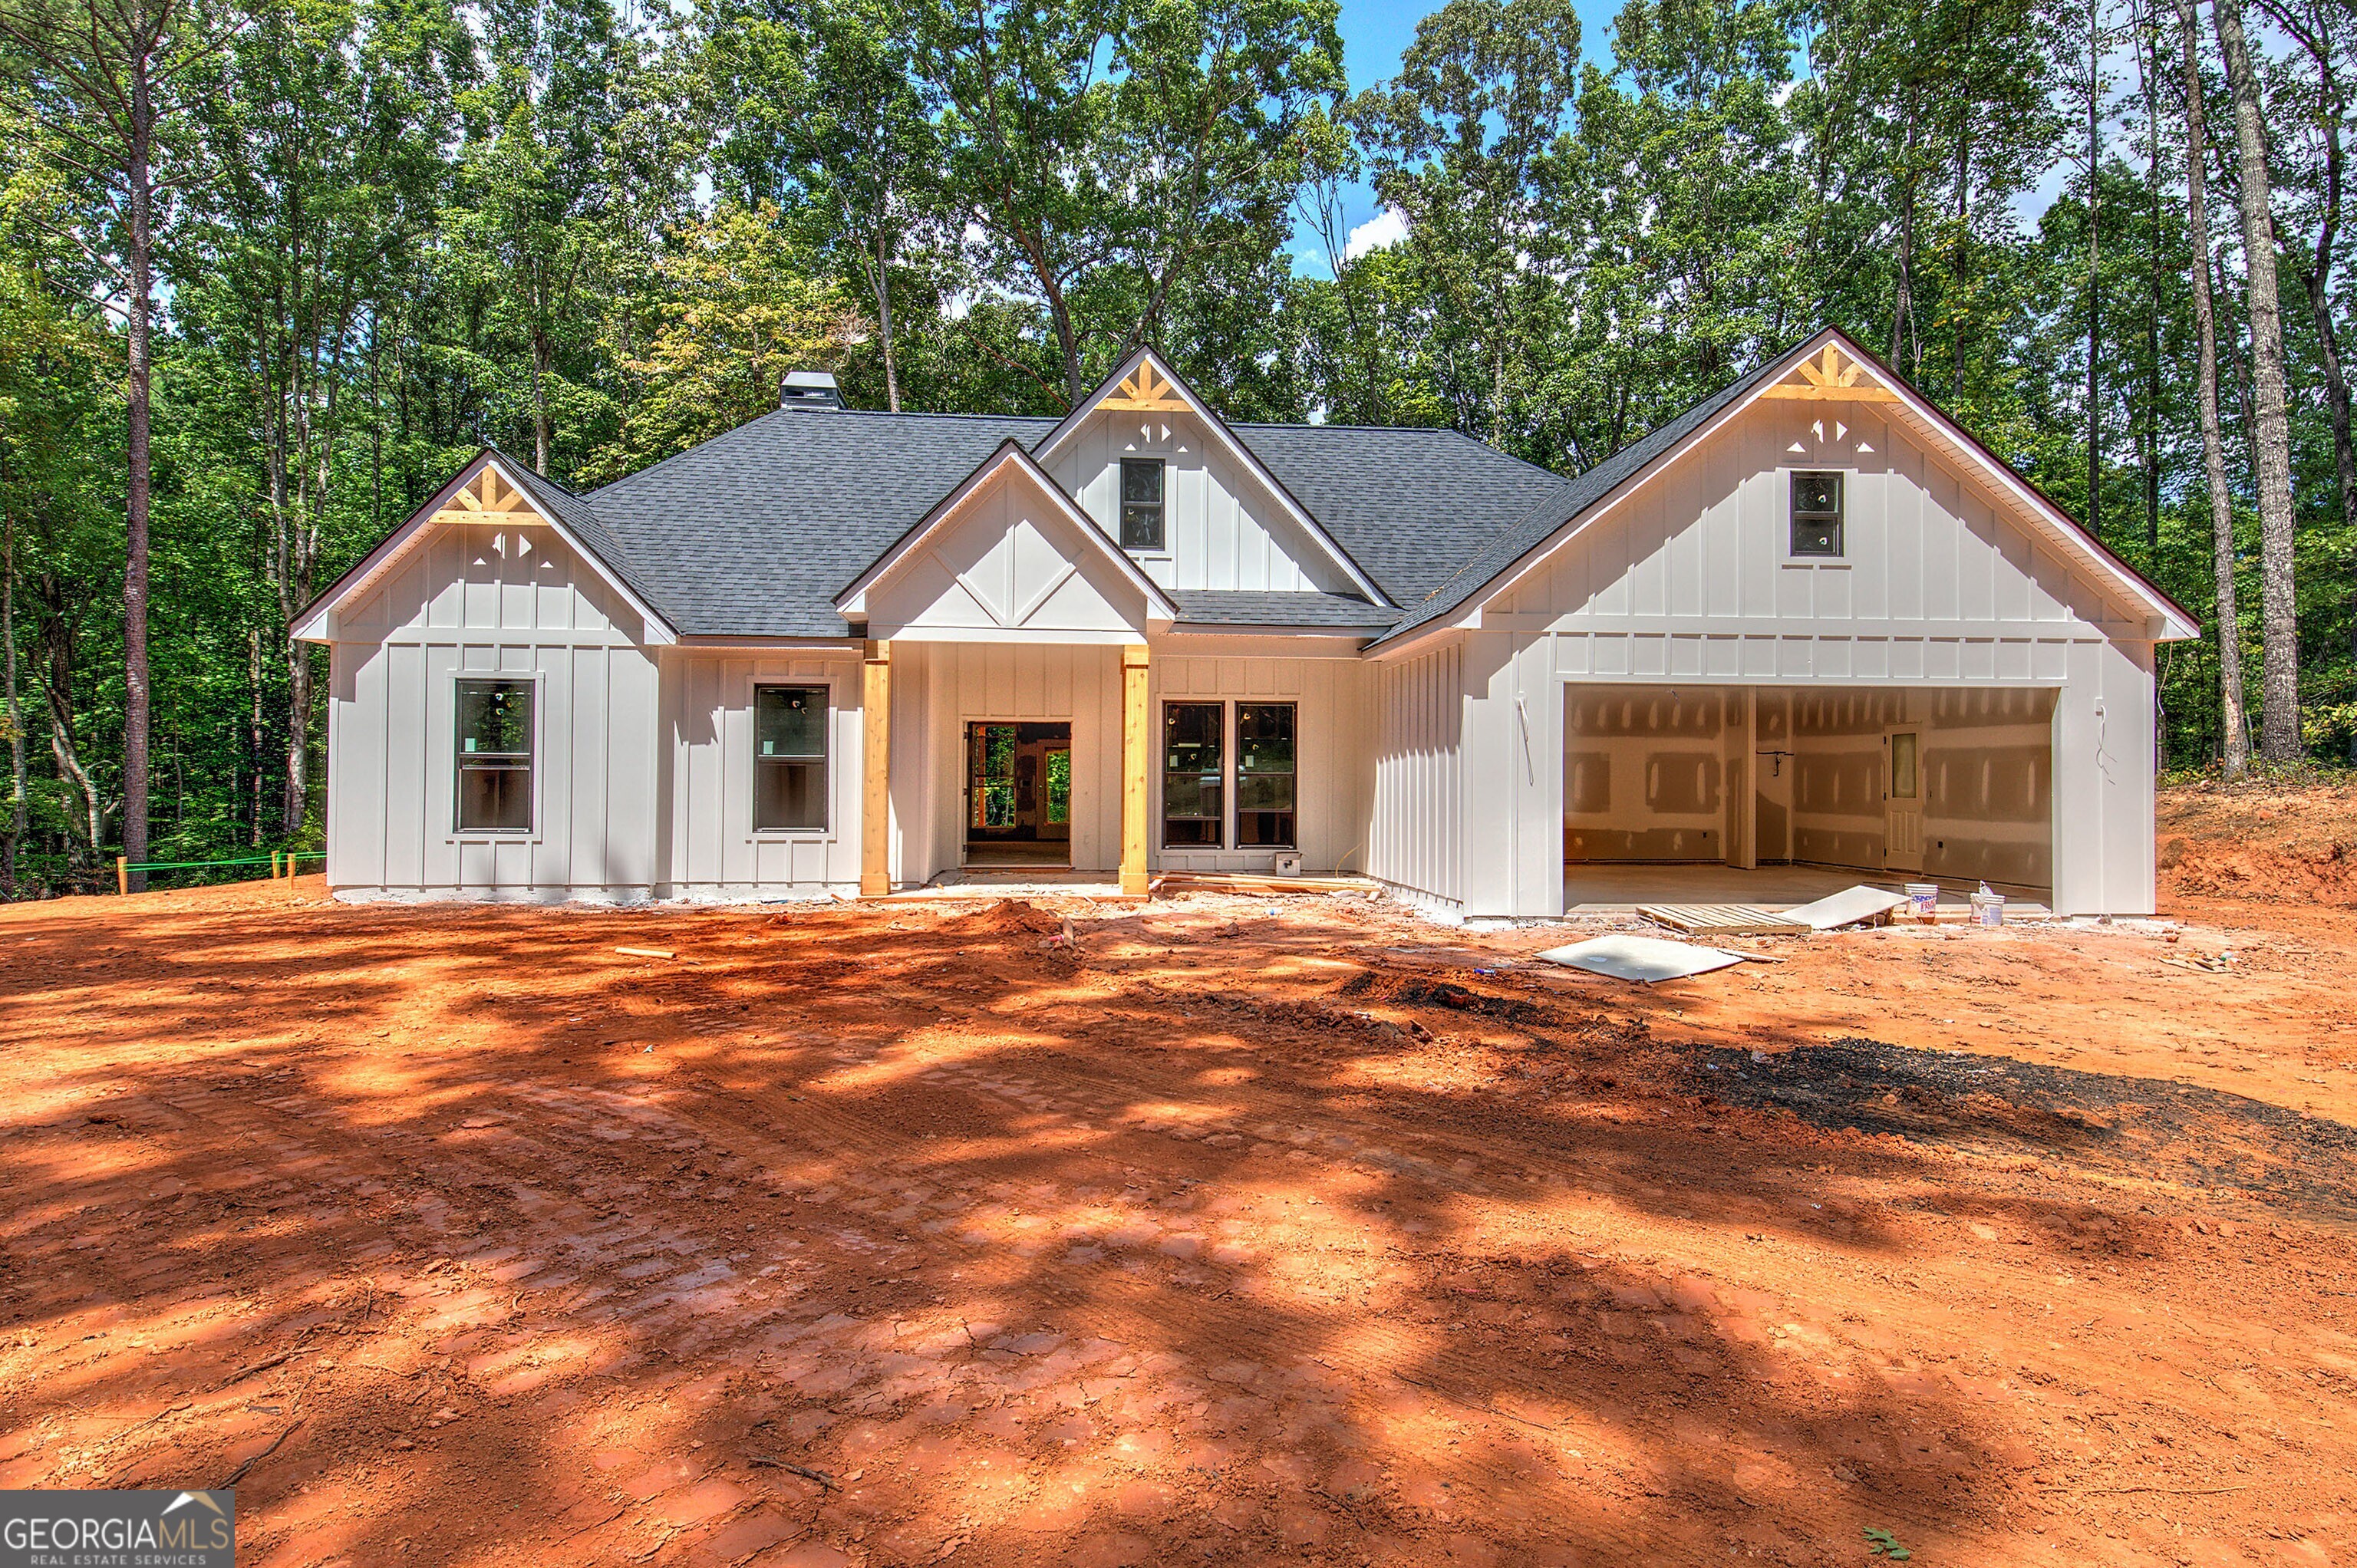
<point x="1779" y="795"/>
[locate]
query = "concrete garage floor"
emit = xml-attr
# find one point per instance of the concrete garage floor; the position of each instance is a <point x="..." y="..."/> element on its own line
<point x="1599" y="888"/>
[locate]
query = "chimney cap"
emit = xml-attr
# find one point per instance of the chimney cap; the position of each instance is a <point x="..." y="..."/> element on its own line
<point x="809" y="388"/>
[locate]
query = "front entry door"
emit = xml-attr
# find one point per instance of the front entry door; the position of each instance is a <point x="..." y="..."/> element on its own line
<point x="1902" y="801"/>
<point x="1018" y="794"/>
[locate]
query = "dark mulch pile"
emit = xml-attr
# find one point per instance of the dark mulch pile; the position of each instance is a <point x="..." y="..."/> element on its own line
<point x="2143" y="1127"/>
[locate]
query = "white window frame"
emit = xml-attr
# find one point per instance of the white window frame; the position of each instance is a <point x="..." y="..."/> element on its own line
<point x="1784" y="556"/>
<point x="538" y="680"/>
<point x="752" y="763"/>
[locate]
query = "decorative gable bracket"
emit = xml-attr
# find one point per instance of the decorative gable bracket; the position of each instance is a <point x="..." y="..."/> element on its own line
<point x="1145" y="391"/>
<point x="489" y="497"/>
<point x="1832" y="377"/>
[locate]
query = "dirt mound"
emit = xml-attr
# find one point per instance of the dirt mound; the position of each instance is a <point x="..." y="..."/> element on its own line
<point x="2135" y="1127"/>
<point x="1009" y="917"/>
<point x="2257" y="842"/>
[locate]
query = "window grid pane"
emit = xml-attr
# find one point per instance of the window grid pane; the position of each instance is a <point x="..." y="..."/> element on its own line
<point x="790" y="725"/>
<point x="1194" y="775"/>
<point x="494" y="756"/>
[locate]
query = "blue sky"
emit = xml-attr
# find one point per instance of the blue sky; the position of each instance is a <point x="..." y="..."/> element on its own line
<point x="1373" y="34"/>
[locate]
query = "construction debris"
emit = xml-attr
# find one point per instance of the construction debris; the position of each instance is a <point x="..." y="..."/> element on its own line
<point x="1642" y="959"/>
<point x="646" y="953"/>
<point x="1723" y="919"/>
<point x="1851" y="907"/>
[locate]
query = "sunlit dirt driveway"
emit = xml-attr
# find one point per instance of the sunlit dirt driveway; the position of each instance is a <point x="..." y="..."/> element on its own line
<point x="912" y="1235"/>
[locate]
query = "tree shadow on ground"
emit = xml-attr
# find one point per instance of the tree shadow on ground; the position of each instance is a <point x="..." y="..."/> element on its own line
<point x="899" y="1237"/>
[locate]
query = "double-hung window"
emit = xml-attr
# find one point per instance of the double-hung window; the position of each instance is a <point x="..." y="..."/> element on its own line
<point x="1141" y="503"/>
<point x="1207" y="760"/>
<point x="494" y="756"/>
<point x="790" y="758"/>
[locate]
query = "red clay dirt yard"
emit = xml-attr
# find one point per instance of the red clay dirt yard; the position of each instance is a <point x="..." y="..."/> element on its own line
<point x="1234" y="1231"/>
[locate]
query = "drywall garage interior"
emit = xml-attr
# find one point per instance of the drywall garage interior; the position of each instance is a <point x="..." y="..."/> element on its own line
<point x="1744" y="776"/>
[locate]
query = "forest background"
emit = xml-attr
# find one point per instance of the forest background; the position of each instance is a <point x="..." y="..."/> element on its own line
<point x="269" y="275"/>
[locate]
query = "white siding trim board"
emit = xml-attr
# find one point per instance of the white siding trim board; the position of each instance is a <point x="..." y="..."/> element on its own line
<point x="713" y="852"/>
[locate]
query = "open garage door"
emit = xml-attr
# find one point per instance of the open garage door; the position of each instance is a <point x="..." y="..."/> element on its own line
<point x="1778" y="794"/>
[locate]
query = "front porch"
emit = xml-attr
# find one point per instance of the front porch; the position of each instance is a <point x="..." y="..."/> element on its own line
<point x="1028" y="759"/>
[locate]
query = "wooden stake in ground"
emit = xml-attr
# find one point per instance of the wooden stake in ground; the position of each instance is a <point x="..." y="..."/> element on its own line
<point x="2279" y="663"/>
<point x="2237" y="748"/>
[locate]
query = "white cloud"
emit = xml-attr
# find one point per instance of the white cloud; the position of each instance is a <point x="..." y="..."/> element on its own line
<point x="1382" y="232"/>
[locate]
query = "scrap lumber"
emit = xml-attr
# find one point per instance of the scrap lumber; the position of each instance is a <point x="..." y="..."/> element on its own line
<point x="1722" y="920"/>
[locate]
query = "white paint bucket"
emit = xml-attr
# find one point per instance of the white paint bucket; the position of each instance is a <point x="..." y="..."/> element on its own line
<point x="1988" y="910"/>
<point x="1922" y="899"/>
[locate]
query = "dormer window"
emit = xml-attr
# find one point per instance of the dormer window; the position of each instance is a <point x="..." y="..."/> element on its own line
<point x="1817" y="515"/>
<point x="1141" y="503"/>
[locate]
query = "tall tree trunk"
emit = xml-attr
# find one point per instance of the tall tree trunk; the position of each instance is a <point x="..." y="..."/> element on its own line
<point x="884" y="325"/>
<point x="139" y="257"/>
<point x="2148" y="81"/>
<point x="542" y="364"/>
<point x="254" y="733"/>
<point x="2095" y="274"/>
<point x="2279" y="676"/>
<point x="1903" y="307"/>
<point x="2316" y="279"/>
<point x="1963" y="227"/>
<point x="19" y="804"/>
<point x="2238" y="747"/>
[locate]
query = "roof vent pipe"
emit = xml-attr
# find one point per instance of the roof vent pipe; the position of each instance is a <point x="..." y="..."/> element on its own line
<point x="809" y="388"/>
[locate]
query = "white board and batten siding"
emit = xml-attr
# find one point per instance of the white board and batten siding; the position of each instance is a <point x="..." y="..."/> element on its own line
<point x="509" y="601"/>
<point x="1417" y="839"/>
<point x="1686" y="578"/>
<point x="1222" y="527"/>
<point x="1334" y="785"/>
<point x="714" y="851"/>
<point x="1009" y="562"/>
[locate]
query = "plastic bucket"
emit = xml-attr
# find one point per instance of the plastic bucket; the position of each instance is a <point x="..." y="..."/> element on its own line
<point x="1988" y="910"/>
<point x="1922" y="899"/>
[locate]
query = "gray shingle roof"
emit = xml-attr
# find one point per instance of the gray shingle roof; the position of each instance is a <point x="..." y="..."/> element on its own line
<point x="754" y="532"/>
<point x="576" y="514"/>
<point x="1410" y="505"/>
<point x="1229" y="607"/>
<point x="1566" y="499"/>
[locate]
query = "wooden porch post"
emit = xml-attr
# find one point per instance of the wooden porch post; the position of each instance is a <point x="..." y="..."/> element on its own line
<point x="1137" y="742"/>
<point x="876" y="761"/>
